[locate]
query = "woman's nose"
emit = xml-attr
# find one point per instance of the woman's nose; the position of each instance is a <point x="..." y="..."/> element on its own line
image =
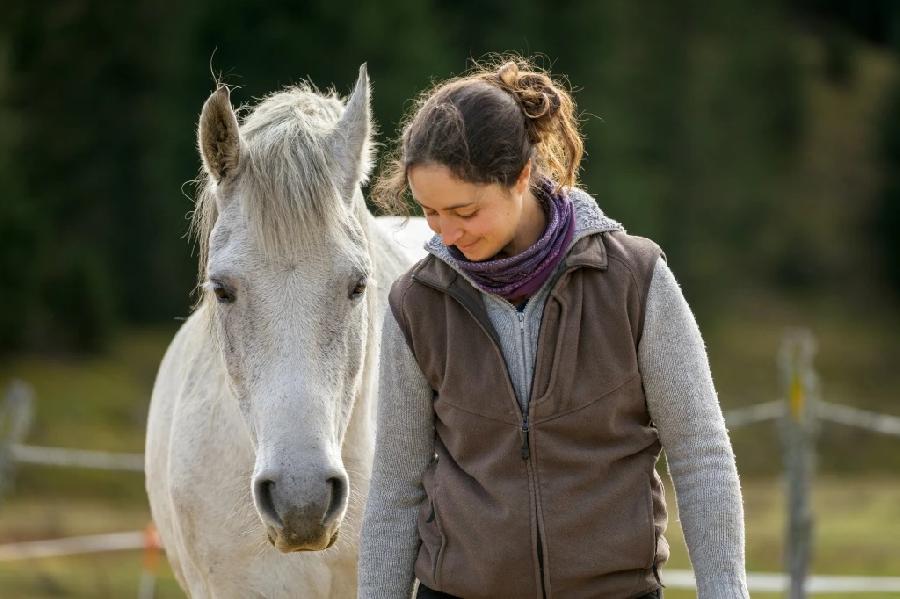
<point x="450" y="234"/>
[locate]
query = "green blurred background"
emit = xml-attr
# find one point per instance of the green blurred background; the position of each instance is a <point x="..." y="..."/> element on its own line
<point x="757" y="142"/>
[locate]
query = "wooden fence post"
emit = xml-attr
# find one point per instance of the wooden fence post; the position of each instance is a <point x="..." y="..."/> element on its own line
<point x="16" y="412"/>
<point x="798" y="429"/>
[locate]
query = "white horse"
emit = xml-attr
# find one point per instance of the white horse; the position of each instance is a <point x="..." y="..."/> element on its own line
<point x="261" y="425"/>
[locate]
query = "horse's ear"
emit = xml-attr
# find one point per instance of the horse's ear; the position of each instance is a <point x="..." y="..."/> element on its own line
<point x="350" y="142"/>
<point x="218" y="136"/>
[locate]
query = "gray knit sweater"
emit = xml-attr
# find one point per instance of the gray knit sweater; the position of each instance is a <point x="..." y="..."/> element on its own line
<point x="680" y="397"/>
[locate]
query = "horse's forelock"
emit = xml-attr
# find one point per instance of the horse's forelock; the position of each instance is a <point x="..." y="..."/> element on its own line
<point x="291" y="188"/>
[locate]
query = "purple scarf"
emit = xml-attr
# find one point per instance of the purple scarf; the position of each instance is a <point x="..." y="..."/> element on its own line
<point x="519" y="277"/>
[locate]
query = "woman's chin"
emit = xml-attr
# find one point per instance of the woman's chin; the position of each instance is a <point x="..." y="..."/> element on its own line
<point x="470" y="252"/>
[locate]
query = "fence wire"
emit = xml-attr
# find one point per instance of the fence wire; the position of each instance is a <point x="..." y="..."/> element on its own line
<point x="769" y="410"/>
<point x="80" y="458"/>
<point x="879" y="423"/>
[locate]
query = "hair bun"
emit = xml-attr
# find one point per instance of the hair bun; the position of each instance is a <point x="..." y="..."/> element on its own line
<point x="535" y="93"/>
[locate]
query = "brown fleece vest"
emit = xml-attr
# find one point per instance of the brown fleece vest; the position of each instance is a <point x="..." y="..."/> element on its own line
<point x="563" y="501"/>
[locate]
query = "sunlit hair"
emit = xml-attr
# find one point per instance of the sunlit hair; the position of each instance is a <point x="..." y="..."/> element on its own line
<point x="485" y="126"/>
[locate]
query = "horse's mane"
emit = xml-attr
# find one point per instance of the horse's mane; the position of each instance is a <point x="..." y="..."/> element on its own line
<point x="289" y="191"/>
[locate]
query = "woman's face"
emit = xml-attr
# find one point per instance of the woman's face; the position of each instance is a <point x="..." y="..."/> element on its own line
<point x="479" y="219"/>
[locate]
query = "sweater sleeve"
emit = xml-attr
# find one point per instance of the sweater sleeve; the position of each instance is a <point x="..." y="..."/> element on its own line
<point x="404" y="445"/>
<point x="684" y="407"/>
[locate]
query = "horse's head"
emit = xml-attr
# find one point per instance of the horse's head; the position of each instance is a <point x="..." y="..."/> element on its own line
<point x="285" y="268"/>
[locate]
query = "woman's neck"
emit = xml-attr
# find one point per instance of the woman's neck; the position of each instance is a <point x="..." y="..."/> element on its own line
<point x="531" y="226"/>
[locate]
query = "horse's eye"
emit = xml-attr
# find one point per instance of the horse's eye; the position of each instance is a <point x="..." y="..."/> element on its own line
<point x="359" y="288"/>
<point x="223" y="294"/>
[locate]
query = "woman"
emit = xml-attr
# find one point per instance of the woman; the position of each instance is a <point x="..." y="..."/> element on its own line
<point x="533" y="366"/>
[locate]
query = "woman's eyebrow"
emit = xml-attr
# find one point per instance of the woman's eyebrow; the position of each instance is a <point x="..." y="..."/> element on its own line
<point x="453" y="207"/>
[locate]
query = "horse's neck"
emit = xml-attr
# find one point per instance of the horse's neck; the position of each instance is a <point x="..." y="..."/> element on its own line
<point x="387" y="263"/>
<point x="359" y="442"/>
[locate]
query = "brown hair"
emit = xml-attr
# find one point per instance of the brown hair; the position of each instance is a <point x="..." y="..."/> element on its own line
<point x="485" y="126"/>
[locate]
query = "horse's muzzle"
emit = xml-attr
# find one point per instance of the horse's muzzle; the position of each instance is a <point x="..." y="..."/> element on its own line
<point x="296" y="525"/>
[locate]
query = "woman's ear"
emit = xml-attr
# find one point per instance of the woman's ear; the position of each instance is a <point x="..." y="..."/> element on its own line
<point x="524" y="178"/>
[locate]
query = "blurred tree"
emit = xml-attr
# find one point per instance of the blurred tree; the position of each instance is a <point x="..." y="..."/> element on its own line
<point x="699" y="116"/>
<point x="19" y="236"/>
<point x="885" y="221"/>
<point x="100" y="104"/>
<point x="695" y="116"/>
<point x="78" y="80"/>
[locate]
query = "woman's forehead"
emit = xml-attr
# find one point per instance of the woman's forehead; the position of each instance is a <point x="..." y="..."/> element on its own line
<point x="435" y="187"/>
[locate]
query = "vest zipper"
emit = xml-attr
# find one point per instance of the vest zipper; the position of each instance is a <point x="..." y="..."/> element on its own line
<point x="526" y="446"/>
<point x="526" y="449"/>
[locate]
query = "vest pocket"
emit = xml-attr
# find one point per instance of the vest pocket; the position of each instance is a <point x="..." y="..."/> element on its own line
<point x="651" y="522"/>
<point x="432" y="537"/>
<point x="440" y="553"/>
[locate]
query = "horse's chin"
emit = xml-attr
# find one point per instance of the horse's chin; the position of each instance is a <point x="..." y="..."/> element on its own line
<point x="286" y="545"/>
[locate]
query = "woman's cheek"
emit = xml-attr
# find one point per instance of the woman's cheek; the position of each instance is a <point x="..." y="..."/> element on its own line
<point x="432" y="222"/>
<point x="485" y="229"/>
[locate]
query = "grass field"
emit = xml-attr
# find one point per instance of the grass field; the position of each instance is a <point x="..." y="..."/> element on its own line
<point x="100" y="403"/>
<point x="857" y="534"/>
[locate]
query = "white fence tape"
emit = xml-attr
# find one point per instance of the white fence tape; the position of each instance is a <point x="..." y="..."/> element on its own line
<point x="773" y="582"/>
<point x="879" y="423"/>
<point x="72" y="546"/>
<point x="83" y="458"/>
<point x="755" y="413"/>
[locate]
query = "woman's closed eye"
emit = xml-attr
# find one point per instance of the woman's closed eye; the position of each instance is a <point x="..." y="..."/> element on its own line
<point x="430" y="213"/>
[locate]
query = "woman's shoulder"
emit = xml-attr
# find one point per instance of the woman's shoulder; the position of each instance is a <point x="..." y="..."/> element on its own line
<point x="589" y="216"/>
<point x="628" y="246"/>
<point x="590" y="219"/>
<point x="428" y="275"/>
<point x="637" y="255"/>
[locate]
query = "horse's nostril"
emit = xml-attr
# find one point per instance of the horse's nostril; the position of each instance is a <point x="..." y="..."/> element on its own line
<point x="262" y="490"/>
<point x="337" y="488"/>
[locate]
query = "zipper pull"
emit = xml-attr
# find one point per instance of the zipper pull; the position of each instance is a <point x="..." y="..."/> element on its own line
<point x="526" y="448"/>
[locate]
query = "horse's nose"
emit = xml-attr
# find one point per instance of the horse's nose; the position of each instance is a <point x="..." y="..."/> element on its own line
<point x="301" y="516"/>
<point x="262" y="495"/>
<point x="337" y="494"/>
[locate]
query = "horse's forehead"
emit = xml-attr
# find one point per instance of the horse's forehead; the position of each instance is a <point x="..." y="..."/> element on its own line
<point x="232" y="247"/>
<point x="221" y="235"/>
